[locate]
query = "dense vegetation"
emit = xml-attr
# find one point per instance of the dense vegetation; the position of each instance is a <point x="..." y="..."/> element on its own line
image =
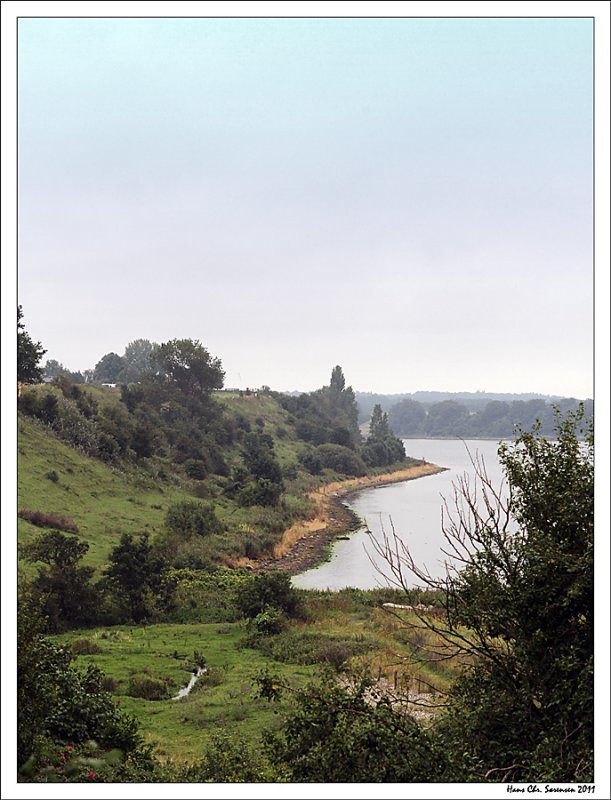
<point x="140" y="501"/>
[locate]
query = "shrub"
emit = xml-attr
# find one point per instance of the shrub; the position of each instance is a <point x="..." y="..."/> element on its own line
<point x="196" y="468"/>
<point x="269" y="590"/>
<point x="85" y="647"/>
<point x="341" y="459"/>
<point x="148" y="687"/>
<point x="187" y="518"/>
<point x="49" y="520"/>
<point x="269" y="622"/>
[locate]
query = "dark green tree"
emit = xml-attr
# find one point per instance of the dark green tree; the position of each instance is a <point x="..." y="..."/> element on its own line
<point x="62" y="587"/>
<point x="187" y="518"/>
<point x="108" y="369"/>
<point x="407" y="417"/>
<point x="137" y="360"/>
<point x="341" y="734"/>
<point x="265" y="485"/>
<point x="189" y="366"/>
<point x="135" y="576"/>
<point x="520" y="610"/>
<point x="269" y="590"/>
<point x="53" y="369"/>
<point x="57" y="702"/>
<point x="29" y="354"/>
<point x="378" y="426"/>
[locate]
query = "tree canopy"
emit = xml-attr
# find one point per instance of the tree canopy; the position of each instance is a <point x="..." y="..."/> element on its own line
<point x="29" y="354"/>
<point x="189" y="365"/>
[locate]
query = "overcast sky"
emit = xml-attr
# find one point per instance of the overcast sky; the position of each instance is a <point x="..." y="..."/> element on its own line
<point x="408" y="198"/>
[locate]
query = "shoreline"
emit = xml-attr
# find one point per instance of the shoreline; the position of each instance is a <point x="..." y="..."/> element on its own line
<point x="306" y="543"/>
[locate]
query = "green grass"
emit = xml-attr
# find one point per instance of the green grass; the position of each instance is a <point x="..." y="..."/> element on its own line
<point x="225" y="698"/>
<point x="181" y="729"/>
<point x="103" y="501"/>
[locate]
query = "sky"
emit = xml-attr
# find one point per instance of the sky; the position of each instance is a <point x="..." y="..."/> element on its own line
<point x="410" y="198"/>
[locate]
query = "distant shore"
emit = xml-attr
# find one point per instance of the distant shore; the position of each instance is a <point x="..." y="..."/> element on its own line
<point x="305" y="544"/>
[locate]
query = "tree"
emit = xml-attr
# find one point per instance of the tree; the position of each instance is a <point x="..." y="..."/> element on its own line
<point x="338" y="381"/>
<point x="137" y="360"/>
<point x="269" y="590"/>
<point x="519" y="608"/>
<point x="108" y="369"/>
<point x="350" y="734"/>
<point x="407" y="417"/>
<point x="56" y="701"/>
<point x="190" y="366"/>
<point x="62" y="586"/>
<point x="53" y="369"/>
<point x="29" y="354"/>
<point x="378" y="427"/>
<point x="135" y="576"/>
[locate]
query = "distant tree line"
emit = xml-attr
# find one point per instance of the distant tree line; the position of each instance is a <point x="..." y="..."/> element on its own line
<point x="496" y="419"/>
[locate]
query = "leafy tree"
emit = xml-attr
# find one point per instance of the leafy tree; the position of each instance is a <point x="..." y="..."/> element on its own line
<point x="407" y="417"/>
<point x="340" y="459"/>
<point x="382" y="448"/>
<point x="108" y="369"/>
<point x="135" y="576"/>
<point x="54" y="700"/>
<point x="189" y="365"/>
<point x="53" y="369"/>
<point x="340" y="734"/>
<point x="378" y="426"/>
<point x="265" y="485"/>
<point x="62" y="586"/>
<point x="338" y="381"/>
<point x="137" y="360"/>
<point x="29" y="354"/>
<point x="269" y="590"/>
<point x="521" y="609"/>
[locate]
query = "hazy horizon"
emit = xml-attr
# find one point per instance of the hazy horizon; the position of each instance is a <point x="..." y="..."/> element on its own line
<point x="408" y="198"/>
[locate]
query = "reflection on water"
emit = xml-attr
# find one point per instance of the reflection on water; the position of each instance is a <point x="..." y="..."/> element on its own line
<point x="412" y="508"/>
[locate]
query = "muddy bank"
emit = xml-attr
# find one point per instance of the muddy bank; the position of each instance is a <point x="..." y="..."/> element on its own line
<point x="307" y="543"/>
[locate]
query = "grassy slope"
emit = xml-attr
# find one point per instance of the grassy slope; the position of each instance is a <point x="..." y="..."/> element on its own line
<point x="104" y="502"/>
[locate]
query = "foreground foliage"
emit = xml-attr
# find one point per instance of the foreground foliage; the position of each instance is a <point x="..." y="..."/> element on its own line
<point x="519" y="609"/>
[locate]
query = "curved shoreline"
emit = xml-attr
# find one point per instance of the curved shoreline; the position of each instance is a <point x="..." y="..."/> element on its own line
<point x="305" y="544"/>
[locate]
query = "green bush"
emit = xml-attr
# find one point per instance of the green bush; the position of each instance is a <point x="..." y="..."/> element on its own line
<point x="266" y="591"/>
<point x="85" y="647"/>
<point x="187" y="518"/>
<point x="269" y="621"/>
<point x="148" y="687"/>
<point x="341" y="459"/>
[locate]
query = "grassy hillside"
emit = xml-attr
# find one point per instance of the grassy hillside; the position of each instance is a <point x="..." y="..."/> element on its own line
<point x="103" y="501"/>
<point x="108" y="496"/>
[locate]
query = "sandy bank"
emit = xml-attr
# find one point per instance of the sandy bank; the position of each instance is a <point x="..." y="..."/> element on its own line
<point x="304" y="543"/>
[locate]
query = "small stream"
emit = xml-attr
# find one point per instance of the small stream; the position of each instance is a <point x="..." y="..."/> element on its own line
<point x="185" y="691"/>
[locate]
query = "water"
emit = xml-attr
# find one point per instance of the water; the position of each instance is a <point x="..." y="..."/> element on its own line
<point x="186" y="689"/>
<point x="414" y="509"/>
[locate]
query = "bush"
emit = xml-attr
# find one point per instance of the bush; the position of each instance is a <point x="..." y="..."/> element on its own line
<point x="340" y="459"/>
<point x="187" y="518"/>
<point x="269" y="622"/>
<point x="85" y="647"/>
<point x="148" y="687"/>
<point x="269" y="590"/>
<point x="49" y="520"/>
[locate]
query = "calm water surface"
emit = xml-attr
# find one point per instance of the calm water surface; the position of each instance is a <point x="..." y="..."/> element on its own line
<point x="414" y="507"/>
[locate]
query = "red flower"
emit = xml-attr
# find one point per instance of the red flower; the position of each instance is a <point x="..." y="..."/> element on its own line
<point x="91" y="774"/>
<point x="69" y="747"/>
